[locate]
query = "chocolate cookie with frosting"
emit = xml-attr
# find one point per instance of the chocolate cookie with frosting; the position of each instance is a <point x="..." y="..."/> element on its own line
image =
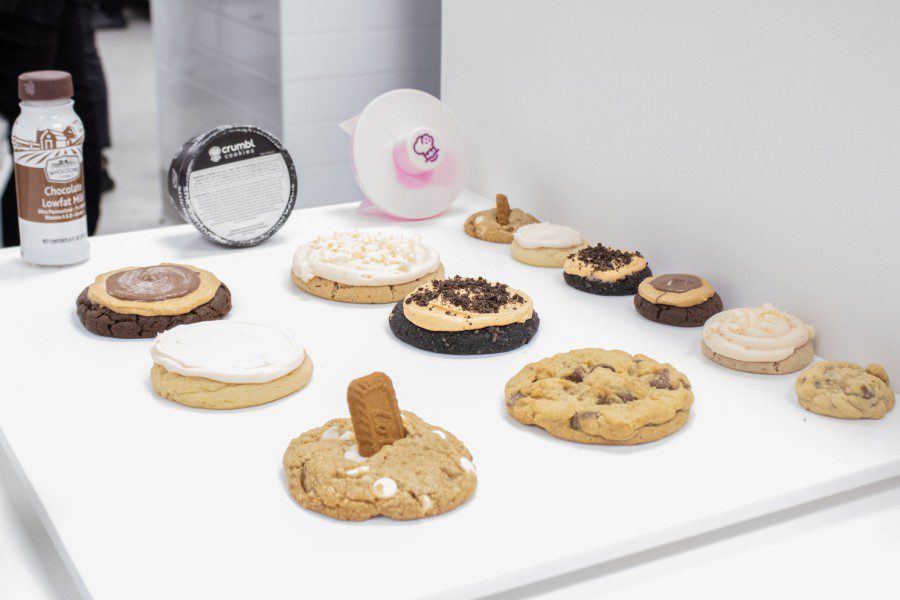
<point x="465" y="316"/>
<point x="681" y="299"/>
<point x="606" y="271"/>
<point x="140" y="302"/>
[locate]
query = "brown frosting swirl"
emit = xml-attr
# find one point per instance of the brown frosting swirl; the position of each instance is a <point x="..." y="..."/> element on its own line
<point x="152" y="284"/>
<point x="677" y="283"/>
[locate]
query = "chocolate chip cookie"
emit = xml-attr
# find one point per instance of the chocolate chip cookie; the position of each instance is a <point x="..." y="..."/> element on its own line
<point x="596" y="396"/>
<point x="425" y="473"/>
<point x="845" y="390"/>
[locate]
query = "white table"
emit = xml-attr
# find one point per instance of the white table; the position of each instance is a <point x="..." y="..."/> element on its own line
<point x="192" y="503"/>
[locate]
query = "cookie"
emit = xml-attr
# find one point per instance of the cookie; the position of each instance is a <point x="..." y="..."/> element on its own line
<point x="681" y="299"/>
<point x="595" y="396"/>
<point x="605" y="271"/>
<point x="760" y="340"/>
<point x="358" y="294"/>
<point x="356" y="474"/>
<point x="497" y="224"/>
<point x="845" y="390"/>
<point x="545" y="244"/>
<point x="140" y="302"/>
<point x="227" y="364"/>
<point x="465" y="316"/>
<point x="364" y="267"/>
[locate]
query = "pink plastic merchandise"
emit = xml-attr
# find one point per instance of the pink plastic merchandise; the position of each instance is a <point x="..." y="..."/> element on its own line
<point x="408" y="155"/>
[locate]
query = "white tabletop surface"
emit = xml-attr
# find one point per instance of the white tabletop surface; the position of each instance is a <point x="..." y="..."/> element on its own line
<point x="817" y="550"/>
<point x="129" y="480"/>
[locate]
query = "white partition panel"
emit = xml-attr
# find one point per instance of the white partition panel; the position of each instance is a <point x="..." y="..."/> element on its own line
<point x="297" y="68"/>
<point x="754" y="141"/>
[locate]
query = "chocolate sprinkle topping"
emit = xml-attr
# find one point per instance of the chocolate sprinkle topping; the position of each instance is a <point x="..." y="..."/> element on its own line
<point x="605" y="258"/>
<point x="469" y="294"/>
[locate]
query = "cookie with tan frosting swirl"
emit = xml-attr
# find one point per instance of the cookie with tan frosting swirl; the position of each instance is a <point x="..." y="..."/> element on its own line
<point x="140" y="302"/>
<point x="462" y="315"/>
<point x="758" y="340"/>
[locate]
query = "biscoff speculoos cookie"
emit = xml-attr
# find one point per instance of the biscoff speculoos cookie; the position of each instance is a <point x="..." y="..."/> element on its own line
<point x="498" y="224"/>
<point x="140" y="302"/>
<point x="595" y="396"/>
<point x="366" y="466"/>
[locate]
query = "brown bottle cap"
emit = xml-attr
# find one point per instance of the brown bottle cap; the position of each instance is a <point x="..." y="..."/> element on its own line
<point x="45" y="85"/>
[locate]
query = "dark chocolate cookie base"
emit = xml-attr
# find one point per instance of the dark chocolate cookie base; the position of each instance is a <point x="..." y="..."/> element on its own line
<point x="626" y="286"/>
<point x="106" y="322"/>
<point x="688" y="316"/>
<point x="489" y="340"/>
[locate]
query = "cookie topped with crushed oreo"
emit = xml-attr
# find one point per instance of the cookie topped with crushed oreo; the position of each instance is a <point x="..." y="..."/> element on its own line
<point x="465" y="315"/>
<point x="604" y="258"/>
<point x="471" y="294"/>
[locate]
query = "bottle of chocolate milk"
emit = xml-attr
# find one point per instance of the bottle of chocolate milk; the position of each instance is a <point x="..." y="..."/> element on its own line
<point x="47" y="141"/>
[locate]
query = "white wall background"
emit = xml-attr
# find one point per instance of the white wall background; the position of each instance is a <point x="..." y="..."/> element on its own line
<point x="756" y="142"/>
<point x="336" y="56"/>
<point x="217" y="61"/>
<point x="297" y="68"/>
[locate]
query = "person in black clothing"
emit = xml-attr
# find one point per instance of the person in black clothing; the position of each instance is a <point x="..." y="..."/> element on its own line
<point x="51" y="34"/>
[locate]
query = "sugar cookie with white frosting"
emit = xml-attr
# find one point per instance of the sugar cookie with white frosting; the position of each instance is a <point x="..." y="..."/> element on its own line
<point x="462" y="315"/>
<point x="425" y="472"/>
<point x="364" y="267"/>
<point x="228" y="364"/>
<point x="140" y="302"/>
<point x="545" y="244"/>
<point x="758" y="340"/>
<point x="606" y="271"/>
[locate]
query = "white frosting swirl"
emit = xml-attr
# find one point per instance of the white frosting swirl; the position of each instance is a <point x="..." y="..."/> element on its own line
<point x="365" y="258"/>
<point x="763" y="334"/>
<point x="547" y="235"/>
<point x="228" y="351"/>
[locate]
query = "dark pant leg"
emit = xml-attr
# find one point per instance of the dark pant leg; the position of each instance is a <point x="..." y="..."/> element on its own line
<point x="24" y="46"/>
<point x="75" y="35"/>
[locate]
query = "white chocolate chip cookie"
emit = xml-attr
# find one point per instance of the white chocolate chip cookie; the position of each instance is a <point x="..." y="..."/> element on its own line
<point x="425" y="473"/>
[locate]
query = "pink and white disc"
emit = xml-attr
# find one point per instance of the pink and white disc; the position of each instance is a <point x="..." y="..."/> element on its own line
<point x="408" y="154"/>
